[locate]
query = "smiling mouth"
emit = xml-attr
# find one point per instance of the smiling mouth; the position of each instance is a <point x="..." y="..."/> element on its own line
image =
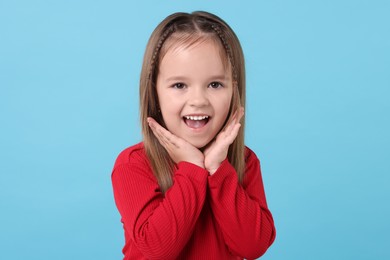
<point x="196" y="122"/>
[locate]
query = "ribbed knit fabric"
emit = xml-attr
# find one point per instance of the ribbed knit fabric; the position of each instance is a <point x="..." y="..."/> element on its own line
<point x="199" y="217"/>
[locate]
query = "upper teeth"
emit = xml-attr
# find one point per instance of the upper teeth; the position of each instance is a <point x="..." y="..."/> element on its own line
<point x="196" y="117"/>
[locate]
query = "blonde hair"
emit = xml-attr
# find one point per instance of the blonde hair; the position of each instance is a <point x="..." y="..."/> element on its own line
<point x="188" y="28"/>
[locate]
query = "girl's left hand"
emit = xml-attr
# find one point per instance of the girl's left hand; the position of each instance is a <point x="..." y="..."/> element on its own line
<point x="217" y="151"/>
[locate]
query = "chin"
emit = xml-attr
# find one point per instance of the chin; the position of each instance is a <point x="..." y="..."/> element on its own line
<point x="200" y="144"/>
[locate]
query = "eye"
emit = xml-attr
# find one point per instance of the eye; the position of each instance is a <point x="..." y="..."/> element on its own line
<point x="215" y="85"/>
<point x="178" y="85"/>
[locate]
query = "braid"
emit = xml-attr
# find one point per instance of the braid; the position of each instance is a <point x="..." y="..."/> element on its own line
<point x="228" y="50"/>
<point x="171" y="29"/>
<point x="160" y="43"/>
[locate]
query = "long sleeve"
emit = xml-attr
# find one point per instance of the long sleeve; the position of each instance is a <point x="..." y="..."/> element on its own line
<point x="159" y="225"/>
<point x="241" y="210"/>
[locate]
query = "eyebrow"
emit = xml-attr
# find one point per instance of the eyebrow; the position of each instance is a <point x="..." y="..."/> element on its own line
<point x="176" y="78"/>
<point x="222" y="77"/>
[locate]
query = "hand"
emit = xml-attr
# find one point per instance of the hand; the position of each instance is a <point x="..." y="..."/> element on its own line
<point x="217" y="151"/>
<point x="178" y="149"/>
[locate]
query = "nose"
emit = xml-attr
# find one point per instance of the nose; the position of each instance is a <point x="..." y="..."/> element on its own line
<point x="198" y="97"/>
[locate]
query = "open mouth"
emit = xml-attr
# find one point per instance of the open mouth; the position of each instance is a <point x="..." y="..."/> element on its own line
<point x="196" y="122"/>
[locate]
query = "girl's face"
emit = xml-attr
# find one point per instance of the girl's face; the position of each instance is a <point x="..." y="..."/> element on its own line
<point x="194" y="90"/>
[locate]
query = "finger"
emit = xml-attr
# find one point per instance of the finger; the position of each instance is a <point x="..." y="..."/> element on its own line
<point x="165" y="137"/>
<point x="153" y="123"/>
<point x="235" y="130"/>
<point x="233" y="134"/>
<point x="157" y="134"/>
<point x="240" y="113"/>
<point x="234" y="120"/>
<point x="155" y="127"/>
<point x="229" y="123"/>
<point x="168" y="137"/>
<point x="236" y="117"/>
<point x="230" y="127"/>
<point x="158" y="129"/>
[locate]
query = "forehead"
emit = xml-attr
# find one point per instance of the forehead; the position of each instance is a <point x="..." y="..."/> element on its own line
<point x="183" y="41"/>
<point x="201" y="61"/>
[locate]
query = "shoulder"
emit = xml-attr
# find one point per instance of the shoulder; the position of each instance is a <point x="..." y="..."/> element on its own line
<point x="250" y="155"/>
<point x="135" y="153"/>
<point x="252" y="168"/>
<point x="132" y="166"/>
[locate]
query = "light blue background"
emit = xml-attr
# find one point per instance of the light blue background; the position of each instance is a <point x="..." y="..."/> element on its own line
<point x="318" y="108"/>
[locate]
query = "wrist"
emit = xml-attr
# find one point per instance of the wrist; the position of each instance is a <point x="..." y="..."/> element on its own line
<point x="213" y="169"/>
<point x="197" y="163"/>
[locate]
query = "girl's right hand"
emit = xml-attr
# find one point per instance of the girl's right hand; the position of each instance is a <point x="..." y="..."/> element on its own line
<point x="178" y="149"/>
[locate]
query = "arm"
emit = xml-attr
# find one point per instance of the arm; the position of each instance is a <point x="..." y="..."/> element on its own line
<point x="241" y="210"/>
<point x="159" y="225"/>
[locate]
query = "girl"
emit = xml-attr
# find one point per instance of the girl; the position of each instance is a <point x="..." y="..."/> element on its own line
<point x="191" y="189"/>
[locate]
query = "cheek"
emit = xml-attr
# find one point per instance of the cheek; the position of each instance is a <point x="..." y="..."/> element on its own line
<point x="169" y="107"/>
<point x="223" y="104"/>
<point x="164" y="101"/>
<point x="170" y="111"/>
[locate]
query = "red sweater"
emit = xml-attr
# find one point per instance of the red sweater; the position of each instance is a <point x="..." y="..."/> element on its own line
<point x="199" y="217"/>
